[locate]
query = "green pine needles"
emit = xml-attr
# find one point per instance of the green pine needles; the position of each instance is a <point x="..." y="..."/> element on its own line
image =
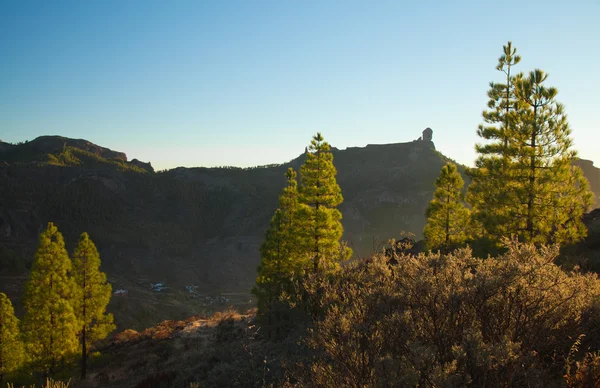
<point x="91" y="297"/>
<point x="448" y="220"/>
<point x="11" y="347"/>
<point x="305" y="231"/>
<point x="281" y="256"/>
<point x="320" y="220"/>
<point x="50" y="326"/>
<point x="524" y="184"/>
<point x="65" y="304"/>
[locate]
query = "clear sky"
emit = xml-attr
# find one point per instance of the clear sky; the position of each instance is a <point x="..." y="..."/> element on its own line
<point x="243" y="83"/>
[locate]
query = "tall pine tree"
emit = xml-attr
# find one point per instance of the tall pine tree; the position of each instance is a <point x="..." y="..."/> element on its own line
<point x="281" y="259"/>
<point x="50" y="326"/>
<point x="448" y="220"/>
<point x="320" y="225"/>
<point x="553" y="194"/>
<point x="11" y="347"/>
<point x="92" y="297"/>
<point x="488" y="193"/>
<point x="524" y="184"/>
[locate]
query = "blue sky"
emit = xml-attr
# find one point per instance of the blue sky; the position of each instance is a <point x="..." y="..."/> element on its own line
<point x="193" y="83"/>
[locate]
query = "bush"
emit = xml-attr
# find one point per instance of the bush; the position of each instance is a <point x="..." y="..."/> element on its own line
<point x="128" y="335"/>
<point x="227" y="330"/>
<point x="450" y="320"/>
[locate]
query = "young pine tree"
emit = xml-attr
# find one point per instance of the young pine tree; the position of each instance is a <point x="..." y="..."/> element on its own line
<point x="50" y="326"/>
<point x="281" y="260"/>
<point x="552" y="193"/>
<point x="92" y="297"/>
<point x="489" y="193"/>
<point x="320" y="225"/>
<point x="448" y="220"/>
<point x="11" y="347"/>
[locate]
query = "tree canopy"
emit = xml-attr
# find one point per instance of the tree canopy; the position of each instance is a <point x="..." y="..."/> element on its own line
<point x="50" y="326"/>
<point x="91" y="297"/>
<point x="320" y="225"/>
<point x="448" y="220"/>
<point x="524" y="183"/>
<point x="11" y="347"/>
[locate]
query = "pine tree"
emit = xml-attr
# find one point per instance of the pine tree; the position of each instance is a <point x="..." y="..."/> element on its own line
<point x="488" y="194"/>
<point x="92" y="297"/>
<point x="320" y="224"/>
<point x="50" y="327"/>
<point x="281" y="260"/>
<point x="553" y="193"/>
<point x="524" y="184"/>
<point x="448" y="219"/>
<point x="11" y="347"/>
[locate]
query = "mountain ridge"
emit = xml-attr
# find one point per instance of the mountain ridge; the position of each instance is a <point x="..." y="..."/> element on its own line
<point x="196" y="226"/>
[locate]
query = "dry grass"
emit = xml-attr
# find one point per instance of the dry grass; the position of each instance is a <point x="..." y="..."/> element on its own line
<point x="49" y="384"/>
<point x="231" y="314"/>
<point x="128" y="335"/>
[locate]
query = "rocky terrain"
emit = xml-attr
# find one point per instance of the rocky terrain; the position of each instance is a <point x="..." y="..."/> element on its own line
<point x="194" y="227"/>
<point x="217" y="351"/>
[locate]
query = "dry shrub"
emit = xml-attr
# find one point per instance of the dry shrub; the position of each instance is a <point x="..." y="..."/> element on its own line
<point x="230" y="314"/>
<point x="164" y="330"/>
<point x="450" y="320"/>
<point x="227" y="330"/>
<point x="128" y="335"/>
<point x="587" y="372"/>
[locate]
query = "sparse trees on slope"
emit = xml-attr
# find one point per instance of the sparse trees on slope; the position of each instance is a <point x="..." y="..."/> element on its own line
<point x="92" y="297"/>
<point x="320" y="223"/>
<point x="447" y="217"/>
<point x="11" y="347"/>
<point x="281" y="258"/>
<point x="50" y="326"/>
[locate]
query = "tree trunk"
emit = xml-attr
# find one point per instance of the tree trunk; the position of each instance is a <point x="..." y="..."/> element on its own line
<point x="447" y="226"/>
<point x="83" y="354"/>
<point x="531" y="198"/>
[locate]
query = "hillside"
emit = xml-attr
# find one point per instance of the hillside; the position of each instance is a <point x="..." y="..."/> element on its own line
<point x="219" y="351"/>
<point x="592" y="174"/>
<point x="197" y="227"/>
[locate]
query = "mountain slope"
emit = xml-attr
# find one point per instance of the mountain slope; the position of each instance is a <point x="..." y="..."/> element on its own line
<point x="592" y="174"/>
<point x="197" y="227"/>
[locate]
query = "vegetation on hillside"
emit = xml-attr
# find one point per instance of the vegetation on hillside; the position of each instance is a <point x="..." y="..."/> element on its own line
<point x="91" y="296"/>
<point x="50" y="325"/>
<point x="305" y="231"/>
<point x="451" y="318"/>
<point x="319" y="220"/>
<point x="507" y="315"/>
<point x="525" y="183"/>
<point x="11" y="346"/>
<point x="281" y="259"/>
<point x="448" y="220"/>
<point x="65" y="316"/>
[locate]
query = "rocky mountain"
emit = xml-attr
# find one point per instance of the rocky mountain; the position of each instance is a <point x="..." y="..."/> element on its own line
<point x="195" y="227"/>
<point x="592" y="173"/>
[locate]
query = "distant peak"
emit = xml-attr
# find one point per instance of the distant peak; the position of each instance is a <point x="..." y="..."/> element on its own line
<point x="54" y="143"/>
<point x="427" y="134"/>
